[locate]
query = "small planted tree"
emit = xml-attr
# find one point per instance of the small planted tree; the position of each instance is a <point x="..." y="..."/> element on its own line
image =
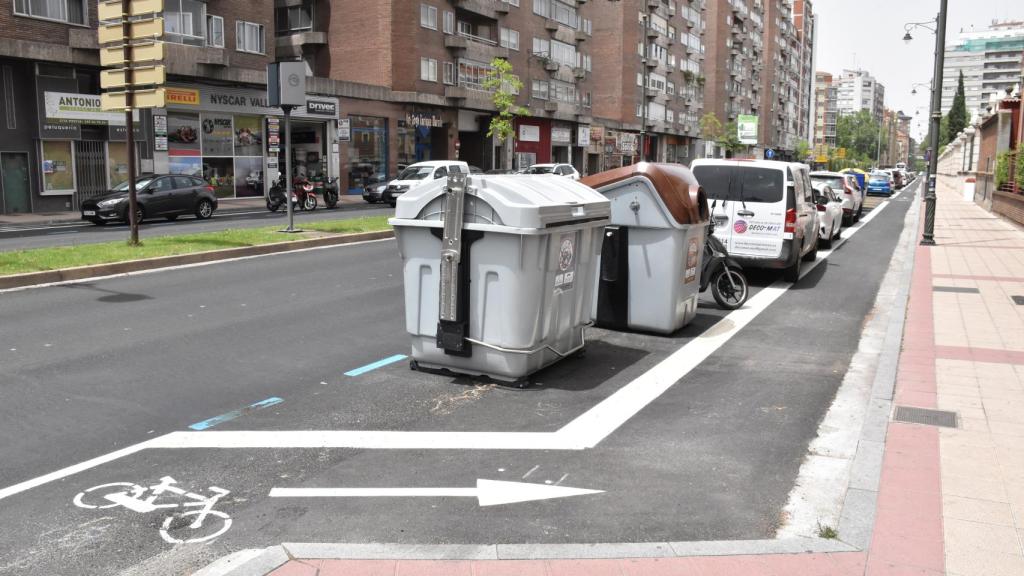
<point x="504" y="85"/>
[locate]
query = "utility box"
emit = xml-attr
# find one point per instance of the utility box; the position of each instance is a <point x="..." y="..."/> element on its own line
<point x="499" y="271"/>
<point x="652" y="252"/>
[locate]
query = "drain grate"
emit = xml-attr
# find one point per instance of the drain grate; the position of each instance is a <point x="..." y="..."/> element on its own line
<point x="1018" y="300"/>
<point x="925" y="416"/>
<point x="956" y="289"/>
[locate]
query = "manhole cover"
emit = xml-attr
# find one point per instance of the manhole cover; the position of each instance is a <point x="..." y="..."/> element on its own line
<point x="925" y="416"/>
<point x="956" y="289"/>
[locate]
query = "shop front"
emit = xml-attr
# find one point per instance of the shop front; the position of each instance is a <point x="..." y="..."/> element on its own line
<point x="532" y="142"/>
<point x="234" y="140"/>
<point x="616" y="148"/>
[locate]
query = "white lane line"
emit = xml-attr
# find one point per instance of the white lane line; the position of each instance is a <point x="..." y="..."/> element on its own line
<point x="586" y="431"/>
<point x="532" y="470"/>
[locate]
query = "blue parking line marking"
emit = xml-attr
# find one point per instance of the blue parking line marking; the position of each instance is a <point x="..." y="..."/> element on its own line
<point x="235" y="413"/>
<point x="377" y="364"/>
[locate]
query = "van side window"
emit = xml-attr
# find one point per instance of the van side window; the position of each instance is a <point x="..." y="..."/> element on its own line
<point x="441" y="172"/>
<point x="807" y="181"/>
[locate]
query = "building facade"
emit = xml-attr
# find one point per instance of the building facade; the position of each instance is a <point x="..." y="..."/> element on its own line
<point x="858" y="90"/>
<point x="734" y="40"/>
<point x="990" y="61"/>
<point x="805" y="22"/>
<point x="826" y="113"/>
<point x="673" y="69"/>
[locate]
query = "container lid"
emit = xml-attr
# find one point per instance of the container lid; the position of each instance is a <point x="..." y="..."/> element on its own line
<point x="513" y="200"/>
<point x="674" y="184"/>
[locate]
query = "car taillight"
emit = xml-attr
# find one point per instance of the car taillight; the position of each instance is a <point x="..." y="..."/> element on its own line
<point x="790" y="221"/>
<point x="210" y="189"/>
<point x="821" y="207"/>
<point x="848" y="191"/>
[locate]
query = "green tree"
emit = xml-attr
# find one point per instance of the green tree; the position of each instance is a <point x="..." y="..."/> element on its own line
<point x="729" y="139"/>
<point x="803" y="150"/>
<point x="504" y="86"/>
<point x="944" y="132"/>
<point x="957" y="117"/>
<point x="710" y="127"/>
<point x="858" y="133"/>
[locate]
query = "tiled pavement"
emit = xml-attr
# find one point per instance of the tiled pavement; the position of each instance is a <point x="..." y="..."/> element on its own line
<point x="951" y="501"/>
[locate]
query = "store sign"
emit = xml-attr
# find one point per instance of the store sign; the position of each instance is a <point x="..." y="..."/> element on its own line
<point x="344" y="129"/>
<point x="160" y="133"/>
<point x="273" y="136"/>
<point x="528" y="133"/>
<point x="627" y="143"/>
<point x="321" y="108"/>
<point x="583" y="136"/>
<point x="428" y="120"/>
<point x="561" y="135"/>
<point x="747" y="129"/>
<point x="182" y="96"/>
<point x="597" y="134"/>
<point x="78" y="108"/>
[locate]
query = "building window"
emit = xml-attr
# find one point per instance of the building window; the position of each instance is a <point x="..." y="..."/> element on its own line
<point x="215" y="31"/>
<point x="428" y="69"/>
<point x="449" y="73"/>
<point x="541" y="47"/>
<point x="510" y="39"/>
<point x="184" y="21"/>
<point x="539" y="89"/>
<point x="69" y="11"/>
<point x="472" y="74"/>
<point x="512" y="2"/>
<point x="292" y="19"/>
<point x="249" y="37"/>
<point x="557" y="11"/>
<point x="428" y="16"/>
<point x="449" y="22"/>
<point x="563" y="53"/>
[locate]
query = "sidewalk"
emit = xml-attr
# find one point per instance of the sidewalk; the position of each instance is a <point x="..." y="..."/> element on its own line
<point x="950" y="500"/>
<point x="225" y="206"/>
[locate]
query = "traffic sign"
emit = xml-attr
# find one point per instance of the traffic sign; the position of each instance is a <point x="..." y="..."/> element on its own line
<point x="152" y="28"/>
<point x="148" y="52"/>
<point x="769" y="153"/>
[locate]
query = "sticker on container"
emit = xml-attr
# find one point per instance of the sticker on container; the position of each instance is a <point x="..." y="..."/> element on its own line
<point x="566" y="262"/>
<point x="691" y="261"/>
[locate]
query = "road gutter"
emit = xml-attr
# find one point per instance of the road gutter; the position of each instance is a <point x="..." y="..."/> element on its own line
<point x="95" y="271"/>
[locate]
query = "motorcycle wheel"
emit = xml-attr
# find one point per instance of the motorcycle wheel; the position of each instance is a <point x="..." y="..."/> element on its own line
<point x="309" y="203"/>
<point x="273" y="206"/>
<point x="330" y="200"/>
<point x="727" y="297"/>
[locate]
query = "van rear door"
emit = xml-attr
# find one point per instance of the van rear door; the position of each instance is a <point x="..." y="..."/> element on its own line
<point x="751" y="210"/>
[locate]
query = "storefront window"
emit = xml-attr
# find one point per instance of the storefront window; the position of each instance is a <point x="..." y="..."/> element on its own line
<point x="218" y="135"/>
<point x="248" y="136"/>
<point x="368" y="152"/>
<point x="183" y="144"/>
<point x="58" y="168"/>
<point x="220" y="173"/>
<point x="248" y="144"/>
<point x="248" y="177"/>
<point x="117" y="162"/>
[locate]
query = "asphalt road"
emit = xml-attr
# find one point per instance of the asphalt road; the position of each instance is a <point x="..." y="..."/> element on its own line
<point x="96" y="367"/>
<point x="26" y="237"/>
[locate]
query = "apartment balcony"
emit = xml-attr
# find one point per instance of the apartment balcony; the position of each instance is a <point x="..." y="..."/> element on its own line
<point x="474" y="47"/>
<point x="291" y="45"/>
<point x="186" y="60"/>
<point x="492" y="9"/>
<point x="468" y="96"/>
<point x="582" y="36"/>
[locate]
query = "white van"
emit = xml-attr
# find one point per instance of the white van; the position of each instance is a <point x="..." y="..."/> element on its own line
<point x="763" y="211"/>
<point x="420" y="173"/>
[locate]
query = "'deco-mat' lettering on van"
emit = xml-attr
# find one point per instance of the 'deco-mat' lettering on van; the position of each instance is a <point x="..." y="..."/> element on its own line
<point x="756" y="237"/>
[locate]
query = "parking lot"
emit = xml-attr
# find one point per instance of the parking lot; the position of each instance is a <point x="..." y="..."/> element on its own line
<point x="288" y="374"/>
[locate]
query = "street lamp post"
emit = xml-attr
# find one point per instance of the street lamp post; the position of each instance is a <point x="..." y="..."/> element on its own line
<point x="928" y="238"/>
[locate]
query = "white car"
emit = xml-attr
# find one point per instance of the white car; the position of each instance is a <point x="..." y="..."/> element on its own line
<point x="418" y="174"/>
<point x="847" y="188"/>
<point x="830" y="213"/>
<point x="566" y="170"/>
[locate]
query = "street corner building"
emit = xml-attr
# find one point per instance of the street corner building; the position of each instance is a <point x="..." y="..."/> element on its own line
<point x="394" y="82"/>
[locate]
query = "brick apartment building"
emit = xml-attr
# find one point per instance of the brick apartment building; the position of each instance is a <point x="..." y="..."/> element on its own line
<point x="805" y="23"/>
<point x="734" y="40"/>
<point x="781" y="81"/>
<point x="674" y="76"/>
<point x="826" y="113"/>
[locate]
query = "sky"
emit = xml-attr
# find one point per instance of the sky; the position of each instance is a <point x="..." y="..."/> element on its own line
<point x="869" y="34"/>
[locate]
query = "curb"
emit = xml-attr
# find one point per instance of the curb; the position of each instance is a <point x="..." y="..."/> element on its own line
<point x="115" y="268"/>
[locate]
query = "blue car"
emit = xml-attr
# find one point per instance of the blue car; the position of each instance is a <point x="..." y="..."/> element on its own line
<point x="879" y="184"/>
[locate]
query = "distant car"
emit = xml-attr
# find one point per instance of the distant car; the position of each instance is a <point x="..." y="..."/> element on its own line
<point x="166" y="195"/>
<point x="880" y="184"/>
<point x="847" y="187"/>
<point x="566" y="170"/>
<point x="374" y="193"/>
<point x="501" y="171"/>
<point x="418" y="174"/>
<point x="830" y="212"/>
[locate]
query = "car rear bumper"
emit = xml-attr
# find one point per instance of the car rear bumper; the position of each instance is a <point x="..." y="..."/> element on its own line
<point x="784" y="260"/>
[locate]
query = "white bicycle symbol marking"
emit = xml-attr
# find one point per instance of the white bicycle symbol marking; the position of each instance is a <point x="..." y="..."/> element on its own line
<point x="130" y="496"/>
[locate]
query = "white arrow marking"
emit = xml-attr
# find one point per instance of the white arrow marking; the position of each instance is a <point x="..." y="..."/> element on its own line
<point x="487" y="492"/>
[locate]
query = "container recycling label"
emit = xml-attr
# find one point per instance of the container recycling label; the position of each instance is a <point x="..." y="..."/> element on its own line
<point x="566" y="275"/>
<point x="691" y="261"/>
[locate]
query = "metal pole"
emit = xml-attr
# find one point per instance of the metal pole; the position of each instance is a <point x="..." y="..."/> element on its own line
<point x="646" y="79"/>
<point x="288" y="167"/>
<point x="928" y="238"/>
<point x="133" y="203"/>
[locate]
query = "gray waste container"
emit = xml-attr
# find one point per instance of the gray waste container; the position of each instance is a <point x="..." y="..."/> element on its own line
<point x="651" y="255"/>
<point x="499" y="271"/>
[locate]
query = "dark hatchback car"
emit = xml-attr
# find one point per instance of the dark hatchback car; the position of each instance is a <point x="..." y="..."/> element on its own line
<point x="167" y="196"/>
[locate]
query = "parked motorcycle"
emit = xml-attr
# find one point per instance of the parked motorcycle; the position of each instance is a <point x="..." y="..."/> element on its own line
<point x="275" y="199"/>
<point x="329" y="190"/>
<point x="722" y="273"/>
<point x="303" y="195"/>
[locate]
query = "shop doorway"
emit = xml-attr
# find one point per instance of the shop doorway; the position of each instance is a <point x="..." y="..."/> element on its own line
<point x="309" y="151"/>
<point x="90" y="169"/>
<point x="560" y="155"/>
<point x="474" y="148"/>
<point x="593" y="163"/>
<point x="14" y="184"/>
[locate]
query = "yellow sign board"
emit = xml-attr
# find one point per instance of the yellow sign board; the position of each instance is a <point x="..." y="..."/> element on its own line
<point x="154" y="98"/>
<point x="137" y="30"/>
<point x="140" y="76"/>
<point x="186" y="96"/>
<point x="822" y="159"/>
<point x="841" y="153"/>
<point x="151" y="52"/>
<point x="112" y="9"/>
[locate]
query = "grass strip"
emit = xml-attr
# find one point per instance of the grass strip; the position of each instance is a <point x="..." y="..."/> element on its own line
<point x="42" y="259"/>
